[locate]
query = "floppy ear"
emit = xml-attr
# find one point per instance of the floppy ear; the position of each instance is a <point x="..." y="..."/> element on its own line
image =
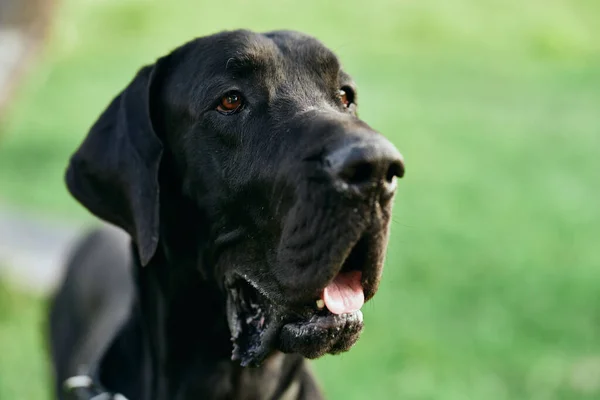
<point x="114" y="173"/>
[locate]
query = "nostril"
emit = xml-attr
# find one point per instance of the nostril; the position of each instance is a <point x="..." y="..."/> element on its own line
<point x="365" y="167"/>
<point x="358" y="173"/>
<point x="395" y="169"/>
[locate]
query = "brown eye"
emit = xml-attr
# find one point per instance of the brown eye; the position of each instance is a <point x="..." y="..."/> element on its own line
<point x="346" y="96"/>
<point x="230" y="103"/>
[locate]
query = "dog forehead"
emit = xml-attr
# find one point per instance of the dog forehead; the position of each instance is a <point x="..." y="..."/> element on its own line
<point x="276" y="51"/>
<point x="283" y="45"/>
<point x="235" y="49"/>
<point x="301" y="47"/>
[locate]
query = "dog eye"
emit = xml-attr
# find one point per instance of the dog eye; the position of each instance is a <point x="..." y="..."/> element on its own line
<point x="346" y="95"/>
<point x="230" y="103"/>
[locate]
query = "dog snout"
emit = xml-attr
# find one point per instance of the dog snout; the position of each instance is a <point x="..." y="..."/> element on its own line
<point x="366" y="166"/>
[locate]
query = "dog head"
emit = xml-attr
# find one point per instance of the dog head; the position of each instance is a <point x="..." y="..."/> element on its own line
<point x="290" y="192"/>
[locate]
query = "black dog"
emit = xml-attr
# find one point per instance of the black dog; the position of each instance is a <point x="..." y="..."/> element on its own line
<point x="258" y="207"/>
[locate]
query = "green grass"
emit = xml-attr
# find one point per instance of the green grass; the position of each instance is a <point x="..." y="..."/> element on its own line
<point x="491" y="284"/>
<point x="23" y="370"/>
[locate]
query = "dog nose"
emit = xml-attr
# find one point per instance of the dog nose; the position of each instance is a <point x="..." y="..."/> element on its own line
<point x="367" y="166"/>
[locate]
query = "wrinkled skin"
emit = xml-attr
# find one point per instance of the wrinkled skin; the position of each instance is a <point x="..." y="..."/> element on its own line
<point x="286" y="228"/>
<point x="258" y="210"/>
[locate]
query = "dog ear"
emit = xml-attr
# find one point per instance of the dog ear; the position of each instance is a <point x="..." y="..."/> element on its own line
<point x="114" y="173"/>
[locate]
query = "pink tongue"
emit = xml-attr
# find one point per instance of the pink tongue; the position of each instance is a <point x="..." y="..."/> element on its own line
<point x="345" y="294"/>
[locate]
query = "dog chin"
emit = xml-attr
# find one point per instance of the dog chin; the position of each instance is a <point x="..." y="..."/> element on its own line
<point x="323" y="333"/>
<point x="259" y="327"/>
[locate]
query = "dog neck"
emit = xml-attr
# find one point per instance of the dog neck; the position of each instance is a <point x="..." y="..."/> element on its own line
<point x="179" y="324"/>
<point x="186" y="351"/>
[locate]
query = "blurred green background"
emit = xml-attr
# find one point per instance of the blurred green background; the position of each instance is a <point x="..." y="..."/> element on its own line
<point x="492" y="282"/>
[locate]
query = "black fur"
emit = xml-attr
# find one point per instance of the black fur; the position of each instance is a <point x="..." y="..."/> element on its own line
<point x="237" y="223"/>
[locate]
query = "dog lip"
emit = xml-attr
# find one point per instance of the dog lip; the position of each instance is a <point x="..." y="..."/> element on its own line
<point x="321" y="334"/>
<point x="328" y="320"/>
<point x="251" y="319"/>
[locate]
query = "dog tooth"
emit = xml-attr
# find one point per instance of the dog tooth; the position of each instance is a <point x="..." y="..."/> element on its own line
<point x="320" y="304"/>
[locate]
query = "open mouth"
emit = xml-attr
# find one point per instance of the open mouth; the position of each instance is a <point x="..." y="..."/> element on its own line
<point x="332" y="324"/>
<point x="345" y="293"/>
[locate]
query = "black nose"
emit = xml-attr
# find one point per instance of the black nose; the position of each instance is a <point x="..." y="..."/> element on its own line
<point x="366" y="166"/>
